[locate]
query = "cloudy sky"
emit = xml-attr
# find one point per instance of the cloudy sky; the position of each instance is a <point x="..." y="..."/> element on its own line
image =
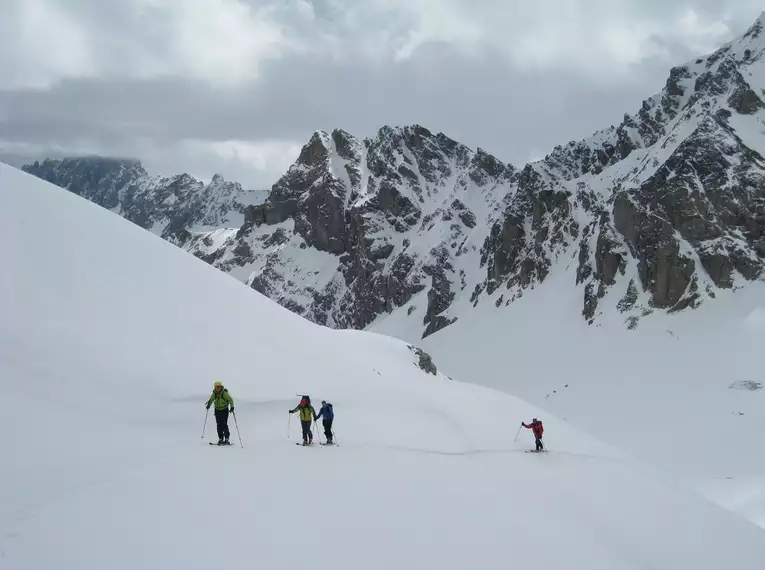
<point x="237" y="86"/>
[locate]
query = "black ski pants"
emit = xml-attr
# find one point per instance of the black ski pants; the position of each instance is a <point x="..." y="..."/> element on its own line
<point x="328" y="429"/>
<point x="307" y="433"/>
<point x="221" y="419"/>
<point x="540" y="447"/>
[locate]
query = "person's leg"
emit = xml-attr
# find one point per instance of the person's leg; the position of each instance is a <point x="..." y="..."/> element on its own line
<point x="328" y="430"/>
<point x="306" y="429"/>
<point x="219" y="424"/>
<point x="226" y="432"/>
<point x="540" y="447"/>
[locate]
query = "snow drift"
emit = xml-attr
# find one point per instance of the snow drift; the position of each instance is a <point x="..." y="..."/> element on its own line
<point x="110" y="340"/>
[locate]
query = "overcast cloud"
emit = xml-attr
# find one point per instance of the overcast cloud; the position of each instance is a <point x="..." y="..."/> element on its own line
<point x="237" y="86"/>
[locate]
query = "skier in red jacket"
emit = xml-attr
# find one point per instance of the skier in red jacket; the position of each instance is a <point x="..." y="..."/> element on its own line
<point x="538" y="429"/>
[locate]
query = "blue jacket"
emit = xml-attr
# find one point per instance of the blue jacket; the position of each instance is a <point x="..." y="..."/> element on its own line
<point x="326" y="411"/>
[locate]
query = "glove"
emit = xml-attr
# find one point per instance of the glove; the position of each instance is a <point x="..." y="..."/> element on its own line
<point x="207" y="405"/>
<point x="232" y="409"/>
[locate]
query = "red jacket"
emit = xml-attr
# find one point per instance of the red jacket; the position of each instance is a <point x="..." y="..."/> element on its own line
<point x="537" y="427"/>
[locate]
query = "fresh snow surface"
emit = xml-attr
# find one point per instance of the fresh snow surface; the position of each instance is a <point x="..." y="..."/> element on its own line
<point x="110" y="340"/>
<point x="684" y="392"/>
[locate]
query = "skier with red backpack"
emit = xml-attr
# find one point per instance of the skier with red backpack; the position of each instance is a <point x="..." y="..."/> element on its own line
<point x="538" y="429"/>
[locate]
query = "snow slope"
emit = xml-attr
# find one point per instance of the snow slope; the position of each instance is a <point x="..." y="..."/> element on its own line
<point x="684" y="391"/>
<point x="108" y="348"/>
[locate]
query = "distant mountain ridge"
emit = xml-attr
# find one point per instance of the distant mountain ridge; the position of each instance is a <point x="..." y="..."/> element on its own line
<point x="163" y="205"/>
<point x="657" y="213"/>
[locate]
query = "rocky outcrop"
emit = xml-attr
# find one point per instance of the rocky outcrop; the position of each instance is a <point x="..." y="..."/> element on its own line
<point x="424" y="360"/>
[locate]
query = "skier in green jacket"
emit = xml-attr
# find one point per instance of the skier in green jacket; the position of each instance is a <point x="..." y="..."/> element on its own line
<point x="307" y="415"/>
<point x="222" y="400"/>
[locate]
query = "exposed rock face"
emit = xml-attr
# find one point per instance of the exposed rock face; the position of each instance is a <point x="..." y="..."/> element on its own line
<point x="672" y="195"/>
<point x="376" y="207"/>
<point x="655" y="213"/>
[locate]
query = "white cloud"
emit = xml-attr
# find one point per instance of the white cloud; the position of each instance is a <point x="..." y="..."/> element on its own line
<point x="225" y="42"/>
<point x="41" y="43"/>
<point x="268" y="156"/>
<point x="222" y="42"/>
<point x="595" y="37"/>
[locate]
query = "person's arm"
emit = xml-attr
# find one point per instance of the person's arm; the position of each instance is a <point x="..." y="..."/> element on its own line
<point x="295" y="409"/>
<point x="210" y="401"/>
<point x="230" y="400"/>
<point x="321" y="411"/>
<point x="313" y="411"/>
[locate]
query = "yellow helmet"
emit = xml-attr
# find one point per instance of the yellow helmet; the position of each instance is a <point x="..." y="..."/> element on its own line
<point x="218" y="384"/>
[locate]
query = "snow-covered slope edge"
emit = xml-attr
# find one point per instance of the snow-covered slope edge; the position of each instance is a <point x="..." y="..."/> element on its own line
<point x="109" y="348"/>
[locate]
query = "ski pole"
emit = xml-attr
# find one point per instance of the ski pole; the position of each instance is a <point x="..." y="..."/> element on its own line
<point x="205" y="426"/>
<point x="289" y="421"/>
<point x="519" y="431"/>
<point x="237" y="429"/>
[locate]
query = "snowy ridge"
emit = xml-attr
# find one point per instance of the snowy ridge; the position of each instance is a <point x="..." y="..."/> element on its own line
<point x="118" y="392"/>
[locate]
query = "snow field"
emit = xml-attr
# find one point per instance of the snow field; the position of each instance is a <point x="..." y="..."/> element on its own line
<point x="109" y="347"/>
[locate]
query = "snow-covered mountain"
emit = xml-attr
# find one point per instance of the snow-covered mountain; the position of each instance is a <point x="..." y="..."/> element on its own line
<point x="166" y="206"/>
<point x="107" y="406"/>
<point x="659" y="213"/>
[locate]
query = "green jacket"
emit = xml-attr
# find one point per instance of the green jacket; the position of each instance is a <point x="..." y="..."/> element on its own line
<point x="221" y="399"/>
<point x="307" y="413"/>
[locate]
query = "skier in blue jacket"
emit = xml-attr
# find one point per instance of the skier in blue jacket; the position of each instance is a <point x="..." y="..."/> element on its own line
<point x="328" y="414"/>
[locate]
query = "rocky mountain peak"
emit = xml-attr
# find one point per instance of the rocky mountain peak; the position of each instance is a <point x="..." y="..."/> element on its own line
<point x="316" y="151"/>
<point x="662" y="212"/>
